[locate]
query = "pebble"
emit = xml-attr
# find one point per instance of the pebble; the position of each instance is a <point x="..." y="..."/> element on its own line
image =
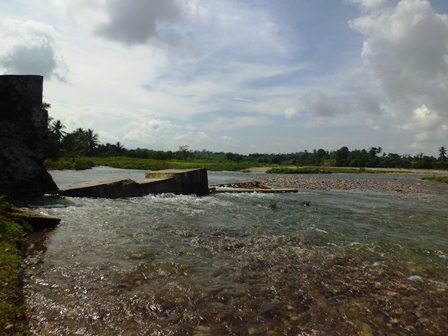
<point x="319" y="183"/>
<point x="417" y="278"/>
<point x="71" y="314"/>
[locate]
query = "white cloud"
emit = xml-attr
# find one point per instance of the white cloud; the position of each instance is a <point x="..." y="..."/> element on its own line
<point x="194" y="139"/>
<point x="368" y="4"/>
<point x="291" y="113"/>
<point x="422" y="119"/>
<point x="406" y="54"/>
<point x="226" y="123"/>
<point x="145" y="131"/>
<point x="28" y="47"/>
<point x="406" y="50"/>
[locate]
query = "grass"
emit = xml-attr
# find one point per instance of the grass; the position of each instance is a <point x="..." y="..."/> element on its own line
<point x="70" y="163"/>
<point x="79" y="163"/>
<point x="443" y="179"/>
<point x="12" y="311"/>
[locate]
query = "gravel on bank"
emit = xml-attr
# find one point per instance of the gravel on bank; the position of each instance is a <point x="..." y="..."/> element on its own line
<point x="318" y="183"/>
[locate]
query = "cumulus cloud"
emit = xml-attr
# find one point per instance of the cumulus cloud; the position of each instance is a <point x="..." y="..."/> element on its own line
<point x="368" y="4"/>
<point x="406" y="52"/>
<point x="426" y="125"/>
<point x="422" y="119"/>
<point x="145" y="130"/>
<point x="28" y="48"/>
<point x="31" y="60"/>
<point x="137" y="21"/>
<point x="196" y="139"/>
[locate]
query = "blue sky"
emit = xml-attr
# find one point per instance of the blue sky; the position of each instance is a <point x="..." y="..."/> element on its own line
<point x="239" y="75"/>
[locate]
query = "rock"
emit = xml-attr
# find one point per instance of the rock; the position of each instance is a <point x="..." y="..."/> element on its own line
<point x="272" y="206"/>
<point x="416" y="278"/>
<point x="40" y="221"/>
<point x="23" y="138"/>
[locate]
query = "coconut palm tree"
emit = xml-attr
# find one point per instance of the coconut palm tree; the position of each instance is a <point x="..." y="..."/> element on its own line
<point x="91" y="140"/>
<point x="442" y="154"/>
<point x="57" y="130"/>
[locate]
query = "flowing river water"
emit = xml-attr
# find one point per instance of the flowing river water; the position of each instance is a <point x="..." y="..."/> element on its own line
<point x="354" y="262"/>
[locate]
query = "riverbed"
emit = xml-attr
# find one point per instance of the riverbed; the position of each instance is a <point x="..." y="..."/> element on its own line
<point x="356" y="261"/>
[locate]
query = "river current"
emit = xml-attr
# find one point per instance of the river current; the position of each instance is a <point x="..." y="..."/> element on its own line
<point x="352" y="263"/>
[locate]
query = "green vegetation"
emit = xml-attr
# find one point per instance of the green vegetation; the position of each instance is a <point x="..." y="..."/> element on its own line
<point x="71" y="163"/>
<point x="12" y="227"/>
<point x="443" y="179"/>
<point x="81" y="149"/>
<point x="78" y="163"/>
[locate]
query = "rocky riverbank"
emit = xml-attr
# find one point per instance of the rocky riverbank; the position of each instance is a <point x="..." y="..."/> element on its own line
<point x="319" y="183"/>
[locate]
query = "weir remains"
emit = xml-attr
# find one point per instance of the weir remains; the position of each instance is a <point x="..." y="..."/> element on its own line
<point x="23" y="138"/>
<point x="175" y="181"/>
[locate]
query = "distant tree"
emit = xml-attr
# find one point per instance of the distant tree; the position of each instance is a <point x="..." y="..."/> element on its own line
<point x="183" y="151"/>
<point x="233" y="157"/>
<point x="91" y="141"/>
<point x="442" y="154"/>
<point x="57" y="130"/>
<point x="341" y="157"/>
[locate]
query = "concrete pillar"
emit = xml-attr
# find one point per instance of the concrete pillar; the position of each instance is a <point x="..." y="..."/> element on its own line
<point x="23" y="138"/>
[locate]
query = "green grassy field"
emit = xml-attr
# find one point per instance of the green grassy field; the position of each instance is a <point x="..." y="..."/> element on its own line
<point x="79" y="163"/>
<point x="12" y="311"/>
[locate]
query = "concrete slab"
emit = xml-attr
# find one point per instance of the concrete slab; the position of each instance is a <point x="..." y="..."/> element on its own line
<point x="175" y="181"/>
<point x="189" y="181"/>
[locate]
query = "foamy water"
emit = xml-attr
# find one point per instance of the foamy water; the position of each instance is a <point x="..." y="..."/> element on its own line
<point x="229" y="264"/>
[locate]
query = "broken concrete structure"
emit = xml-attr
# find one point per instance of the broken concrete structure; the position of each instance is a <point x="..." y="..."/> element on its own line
<point x="188" y="181"/>
<point x="23" y="138"/>
<point x="175" y="181"/>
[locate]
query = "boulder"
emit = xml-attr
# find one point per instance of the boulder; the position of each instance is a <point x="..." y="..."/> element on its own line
<point x="23" y="138"/>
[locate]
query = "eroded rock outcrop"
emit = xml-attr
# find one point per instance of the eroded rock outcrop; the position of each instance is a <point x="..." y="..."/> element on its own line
<point x="23" y="138"/>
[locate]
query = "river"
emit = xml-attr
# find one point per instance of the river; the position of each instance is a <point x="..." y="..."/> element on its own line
<point x="352" y="263"/>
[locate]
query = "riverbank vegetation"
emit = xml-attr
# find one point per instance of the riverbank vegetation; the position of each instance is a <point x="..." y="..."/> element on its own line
<point x="442" y="179"/>
<point x="12" y="312"/>
<point x="81" y="149"/>
<point x="82" y="162"/>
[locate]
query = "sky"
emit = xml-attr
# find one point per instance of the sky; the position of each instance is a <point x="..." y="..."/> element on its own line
<point x="239" y="76"/>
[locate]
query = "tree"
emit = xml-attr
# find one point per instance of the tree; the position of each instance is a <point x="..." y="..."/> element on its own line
<point x="57" y="130"/>
<point x="342" y="157"/>
<point x="442" y="154"/>
<point x="91" y="140"/>
<point x="183" y="151"/>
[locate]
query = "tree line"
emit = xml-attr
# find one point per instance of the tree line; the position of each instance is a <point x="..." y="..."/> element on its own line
<point x="85" y="142"/>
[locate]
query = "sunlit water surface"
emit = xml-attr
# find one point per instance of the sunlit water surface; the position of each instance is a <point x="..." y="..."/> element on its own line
<point x="354" y="262"/>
